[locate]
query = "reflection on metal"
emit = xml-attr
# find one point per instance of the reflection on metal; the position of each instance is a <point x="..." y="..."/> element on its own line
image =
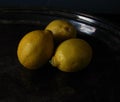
<point x="84" y="28"/>
<point x="87" y="29"/>
<point x="86" y="19"/>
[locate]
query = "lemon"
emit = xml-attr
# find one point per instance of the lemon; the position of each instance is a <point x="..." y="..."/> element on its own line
<point x="72" y="55"/>
<point x="35" y="49"/>
<point x="62" y="30"/>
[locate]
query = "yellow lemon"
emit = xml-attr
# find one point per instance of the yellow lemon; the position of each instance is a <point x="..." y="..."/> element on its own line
<point x="35" y="49"/>
<point x="62" y="30"/>
<point x="72" y="55"/>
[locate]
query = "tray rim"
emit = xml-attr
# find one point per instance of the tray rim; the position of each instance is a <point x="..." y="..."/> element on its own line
<point x="73" y="15"/>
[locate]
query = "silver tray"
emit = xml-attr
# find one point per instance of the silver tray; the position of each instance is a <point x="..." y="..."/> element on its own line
<point x="48" y="84"/>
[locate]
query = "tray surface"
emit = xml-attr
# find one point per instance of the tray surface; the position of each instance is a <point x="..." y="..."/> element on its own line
<point x="97" y="82"/>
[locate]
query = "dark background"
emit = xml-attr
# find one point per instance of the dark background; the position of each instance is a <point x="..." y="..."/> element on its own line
<point x="94" y="6"/>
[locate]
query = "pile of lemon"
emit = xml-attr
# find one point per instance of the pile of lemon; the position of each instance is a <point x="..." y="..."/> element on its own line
<point x="56" y="44"/>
